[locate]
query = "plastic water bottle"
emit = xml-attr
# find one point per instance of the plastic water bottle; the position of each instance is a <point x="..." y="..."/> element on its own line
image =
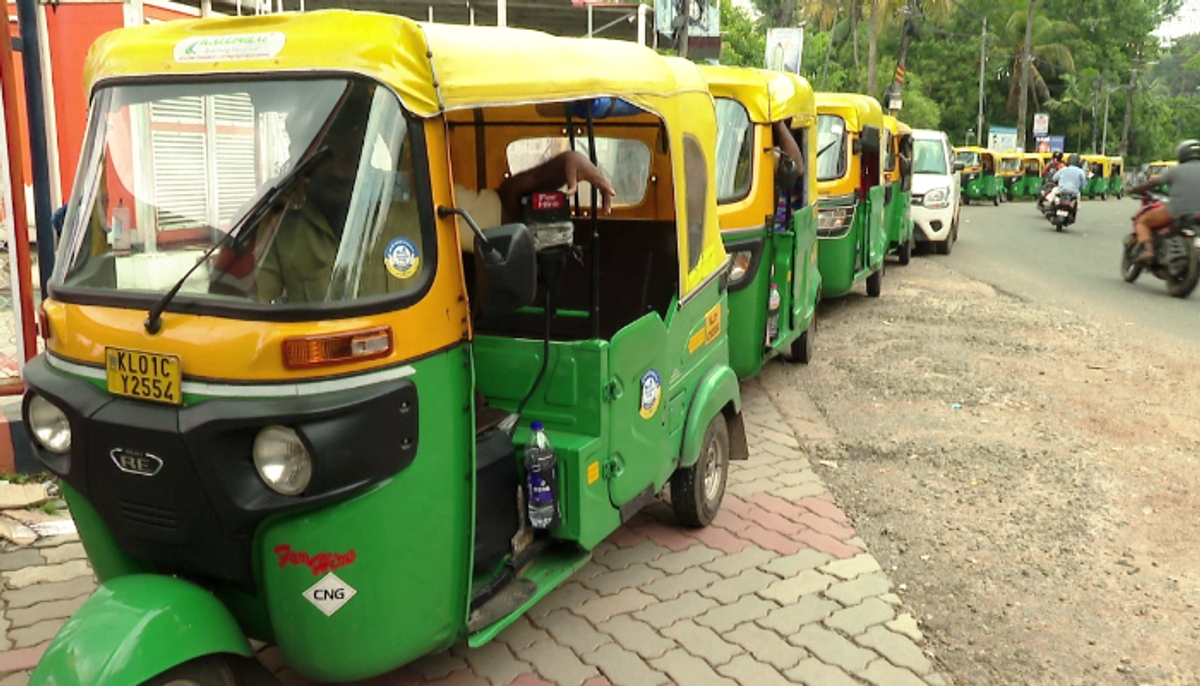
<point x="773" y="317"/>
<point x="540" y="473"/>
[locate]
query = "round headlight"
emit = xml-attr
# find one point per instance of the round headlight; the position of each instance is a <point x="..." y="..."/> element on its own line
<point x="49" y="425"/>
<point x="741" y="264"/>
<point x="282" y="461"/>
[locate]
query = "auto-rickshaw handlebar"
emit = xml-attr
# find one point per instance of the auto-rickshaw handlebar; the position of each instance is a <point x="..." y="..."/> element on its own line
<point x="490" y="254"/>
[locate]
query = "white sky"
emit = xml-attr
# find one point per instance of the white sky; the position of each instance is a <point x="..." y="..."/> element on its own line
<point x="1187" y="21"/>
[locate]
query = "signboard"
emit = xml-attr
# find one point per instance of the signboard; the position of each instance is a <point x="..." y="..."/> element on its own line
<point x="784" y="47"/>
<point x="1041" y="124"/>
<point x="703" y="17"/>
<point x="1051" y="143"/>
<point x="1002" y="139"/>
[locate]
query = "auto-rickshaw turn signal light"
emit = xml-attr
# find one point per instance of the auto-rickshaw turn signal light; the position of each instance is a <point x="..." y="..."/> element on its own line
<point x="340" y="348"/>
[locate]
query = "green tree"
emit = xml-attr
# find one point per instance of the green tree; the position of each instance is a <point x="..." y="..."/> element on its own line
<point x="743" y="44"/>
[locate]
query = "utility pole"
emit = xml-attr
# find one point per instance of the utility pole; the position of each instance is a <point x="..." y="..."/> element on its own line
<point x="1097" y="85"/>
<point x="1023" y="96"/>
<point x="908" y="31"/>
<point x="982" y="69"/>
<point x="682" y="20"/>
<point x="1129" y="104"/>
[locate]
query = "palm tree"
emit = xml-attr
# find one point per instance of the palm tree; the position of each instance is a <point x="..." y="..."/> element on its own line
<point x="1044" y="54"/>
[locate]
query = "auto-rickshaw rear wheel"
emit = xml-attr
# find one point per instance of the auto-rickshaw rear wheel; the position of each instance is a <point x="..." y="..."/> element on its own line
<point x="802" y="350"/>
<point x="904" y="252"/>
<point x="875" y="283"/>
<point x="217" y="670"/>
<point x="696" y="491"/>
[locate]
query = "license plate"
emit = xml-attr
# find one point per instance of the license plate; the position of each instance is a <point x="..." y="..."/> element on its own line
<point x="1063" y="213"/>
<point x="145" y="376"/>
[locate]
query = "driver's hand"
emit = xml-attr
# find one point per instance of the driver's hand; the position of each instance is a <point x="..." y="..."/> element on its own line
<point x="579" y="168"/>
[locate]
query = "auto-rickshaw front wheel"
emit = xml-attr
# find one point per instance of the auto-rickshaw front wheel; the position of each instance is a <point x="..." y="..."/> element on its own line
<point x="696" y="491"/>
<point x="217" y="670"/>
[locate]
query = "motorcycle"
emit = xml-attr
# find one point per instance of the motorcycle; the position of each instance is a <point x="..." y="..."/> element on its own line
<point x="1176" y="253"/>
<point x="1061" y="212"/>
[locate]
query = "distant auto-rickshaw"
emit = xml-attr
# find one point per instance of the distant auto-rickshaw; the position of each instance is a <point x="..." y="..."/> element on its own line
<point x="1099" y="170"/>
<point x="1012" y="174"/>
<point x="1116" y="182"/>
<point x="978" y="177"/>
<point x="897" y="174"/>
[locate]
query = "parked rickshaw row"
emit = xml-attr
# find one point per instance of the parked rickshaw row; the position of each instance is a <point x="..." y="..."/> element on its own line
<point x="990" y="176"/>
<point x="372" y="383"/>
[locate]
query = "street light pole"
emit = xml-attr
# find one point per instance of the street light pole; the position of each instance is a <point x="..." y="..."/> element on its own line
<point x="982" y="67"/>
<point x="1104" y="142"/>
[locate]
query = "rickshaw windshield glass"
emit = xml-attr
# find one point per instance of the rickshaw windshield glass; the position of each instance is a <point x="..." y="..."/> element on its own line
<point x="1010" y="164"/>
<point x="969" y="159"/>
<point x="287" y="192"/>
<point x="929" y="157"/>
<point x="735" y="143"/>
<point x="831" y="147"/>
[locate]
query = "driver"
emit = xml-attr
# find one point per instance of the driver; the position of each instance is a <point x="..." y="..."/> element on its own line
<point x="1055" y="164"/>
<point x="1069" y="180"/>
<point x="1184" y="182"/>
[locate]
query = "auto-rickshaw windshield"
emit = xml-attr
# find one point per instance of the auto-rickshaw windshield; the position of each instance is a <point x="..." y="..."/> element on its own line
<point x="969" y="159"/>
<point x="287" y="191"/>
<point x="1010" y="164"/>
<point x="831" y="147"/>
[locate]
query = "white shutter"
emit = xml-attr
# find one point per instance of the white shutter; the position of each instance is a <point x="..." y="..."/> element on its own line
<point x="236" y="180"/>
<point x="180" y="195"/>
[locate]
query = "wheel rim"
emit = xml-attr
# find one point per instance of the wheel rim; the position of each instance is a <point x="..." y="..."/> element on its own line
<point x="714" y="479"/>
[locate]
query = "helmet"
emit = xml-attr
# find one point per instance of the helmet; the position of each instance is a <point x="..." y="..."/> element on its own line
<point x="1188" y="150"/>
<point x="1074" y="160"/>
<point x="1057" y="155"/>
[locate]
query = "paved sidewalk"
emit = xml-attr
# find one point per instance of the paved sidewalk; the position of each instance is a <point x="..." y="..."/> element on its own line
<point x="780" y="590"/>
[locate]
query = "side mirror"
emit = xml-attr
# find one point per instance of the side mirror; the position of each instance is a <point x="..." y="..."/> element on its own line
<point x="959" y="166"/>
<point x="868" y="141"/>
<point x="506" y="270"/>
<point x="787" y="172"/>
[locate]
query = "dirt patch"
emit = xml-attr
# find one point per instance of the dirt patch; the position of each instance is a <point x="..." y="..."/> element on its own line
<point x="1026" y="475"/>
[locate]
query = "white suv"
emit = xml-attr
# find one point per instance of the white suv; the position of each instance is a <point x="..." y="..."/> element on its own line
<point x="935" y="191"/>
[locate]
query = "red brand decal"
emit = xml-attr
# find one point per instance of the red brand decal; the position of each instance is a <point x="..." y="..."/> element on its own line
<point x="549" y="201"/>
<point x="319" y="563"/>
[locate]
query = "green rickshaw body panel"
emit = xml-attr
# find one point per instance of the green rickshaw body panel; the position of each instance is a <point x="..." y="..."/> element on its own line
<point x="847" y="259"/>
<point x="1031" y="186"/>
<point x="983" y="187"/>
<point x="807" y="275"/>
<point x="898" y="217"/>
<point x="135" y="627"/>
<point x="748" y="306"/>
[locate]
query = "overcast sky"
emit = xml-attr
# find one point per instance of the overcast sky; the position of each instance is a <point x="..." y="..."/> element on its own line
<point x="1187" y="21"/>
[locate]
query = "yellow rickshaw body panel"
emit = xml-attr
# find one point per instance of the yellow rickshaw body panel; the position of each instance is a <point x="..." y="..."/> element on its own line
<point x="858" y="111"/>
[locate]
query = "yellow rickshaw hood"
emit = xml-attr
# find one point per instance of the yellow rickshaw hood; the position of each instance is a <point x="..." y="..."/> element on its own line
<point x="768" y="96"/>
<point x="857" y="110"/>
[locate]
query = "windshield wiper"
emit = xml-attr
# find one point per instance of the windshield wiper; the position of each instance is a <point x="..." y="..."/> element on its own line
<point x="827" y="146"/>
<point x="153" y="321"/>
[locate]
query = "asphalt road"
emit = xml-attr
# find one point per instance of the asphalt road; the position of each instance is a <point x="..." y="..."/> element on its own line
<point x="1015" y="249"/>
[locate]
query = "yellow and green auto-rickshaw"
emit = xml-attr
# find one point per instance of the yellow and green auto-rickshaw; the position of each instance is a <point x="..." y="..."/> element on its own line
<point x="1099" y="171"/>
<point x="292" y="406"/>
<point x="978" y="178"/>
<point x="1012" y="174"/>
<point x="897" y="175"/>
<point x="1157" y="168"/>
<point x="851" y="234"/>
<point x="767" y="208"/>
<point x="1031" y="176"/>
<point x="1116" y="182"/>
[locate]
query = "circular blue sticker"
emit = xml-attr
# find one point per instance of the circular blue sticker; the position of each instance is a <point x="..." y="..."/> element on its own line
<point x="651" y="393"/>
<point x="402" y="258"/>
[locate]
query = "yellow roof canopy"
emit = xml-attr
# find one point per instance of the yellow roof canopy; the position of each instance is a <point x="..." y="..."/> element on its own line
<point x="858" y="110"/>
<point x="768" y="96"/>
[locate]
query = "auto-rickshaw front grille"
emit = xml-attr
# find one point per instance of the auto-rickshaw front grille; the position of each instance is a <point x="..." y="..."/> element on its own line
<point x="148" y="516"/>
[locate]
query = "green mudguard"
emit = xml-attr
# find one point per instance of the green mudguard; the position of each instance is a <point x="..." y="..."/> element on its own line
<point x="718" y="388"/>
<point x="135" y="627"/>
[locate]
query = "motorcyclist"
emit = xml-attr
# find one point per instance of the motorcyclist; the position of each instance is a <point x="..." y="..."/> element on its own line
<point x="1184" y="183"/>
<point x="1052" y="167"/>
<point x="1069" y="181"/>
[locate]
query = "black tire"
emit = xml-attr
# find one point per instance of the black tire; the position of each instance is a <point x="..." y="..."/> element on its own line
<point x="802" y="348"/>
<point x="946" y="246"/>
<point x="1183" y="286"/>
<point x="696" y="491"/>
<point x="966" y="200"/>
<point x="904" y="252"/>
<point x="221" y="669"/>
<point x="1129" y="270"/>
<point x="996" y="200"/>
<point x="875" y="283"/>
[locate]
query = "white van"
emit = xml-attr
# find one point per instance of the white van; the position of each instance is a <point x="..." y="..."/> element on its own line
<point x="935" y="191"/>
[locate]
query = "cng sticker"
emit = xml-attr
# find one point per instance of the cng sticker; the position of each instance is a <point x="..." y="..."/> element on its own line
<point x="330" y="594"/>
<point x="593" y="473"/>
<point x="712" y="324"/>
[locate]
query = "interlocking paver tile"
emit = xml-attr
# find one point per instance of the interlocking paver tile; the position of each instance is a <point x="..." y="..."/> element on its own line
<point x="856" y="590"/>
<point x="633" y="576"/>
<point x="626" y="537"/>
<point x="729" y="590"/>
<point x="773" y="540"/>
<point x="783" y="451"/>
<point x="521" y="633"/>
<point x="530" y="680"/>
<point x="719" y="539"/>
<point x="58" y="609"/>
<point x="785" y="508"/>
<point x="621" y="558"/>
<point x="748" y="488"/>
<point x="702" y="642"/>
<point x="684" y="668"/>
<point x="17" y="559"/>
<point x="882" y="673"/>
<point x="15" y="679"/>
<point x="750" y="557"/>
<point x="907" y="625"/>
<point x="462" y="677"/>
<point x="496" y="663"/>
<point x="759" y="471"/>
<point x="63" y="553"/>
<point x="739" y="506"/>
<point x="670" y="536"/>
<point x="674" y="563"/>
<point x="856" y="619"/>
<point x="438" y="665"/>
<point x="897" y="648"/>
<point x="824" y="507"/>
<point x="28" y="636"/>
<point x="788" y="566"/>
<point x="675" y="585"/>
<point x="557" y="663"/>
<point x="813" y="672"/>
<point x="667" y="613"/>
<point x="749" y="672"/>
<point x="725" y="617"/>
<point x="788" y="591"/>
<point x="798" y="478"/>
<point x="853" y="567"/>
<point x="41" y="574"/>
<point x="801" y="490"/>
<point x="636" y="636"/>
<point x="573" y="631"/>
<point x="788" y="620"/>
<point x="827" y="544"/>
<point x="832" y="648"/>
<point x="727" y="519"/>
<point x="827" y="526"/>
<point x="767" y="646"/>
<point x="570" y="595"/>
<point x="602" y="609"/>
<point x="774" y="521"/>
<point x="623" y="667"/>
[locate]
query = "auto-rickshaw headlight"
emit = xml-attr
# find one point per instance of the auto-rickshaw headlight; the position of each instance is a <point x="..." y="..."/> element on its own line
<point x="282" y="461"/>
<point x="741" y="265"/>
<point x="50" y="425"/>
<point x="834" y="221"/>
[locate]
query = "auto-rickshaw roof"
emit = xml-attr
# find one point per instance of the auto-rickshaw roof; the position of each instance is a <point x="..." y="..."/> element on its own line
<point x="768" y="96"/>
<point x="433" y="67"/>
<point x="858" y="110"/>
<point x="976" y="149"/>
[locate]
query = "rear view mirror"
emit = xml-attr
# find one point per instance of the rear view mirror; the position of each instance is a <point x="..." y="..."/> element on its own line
<point x="787" y="172"/>
<point x="506" y="269"/>
<point x="869" y="140"/>
<point x="959" y="166"/>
